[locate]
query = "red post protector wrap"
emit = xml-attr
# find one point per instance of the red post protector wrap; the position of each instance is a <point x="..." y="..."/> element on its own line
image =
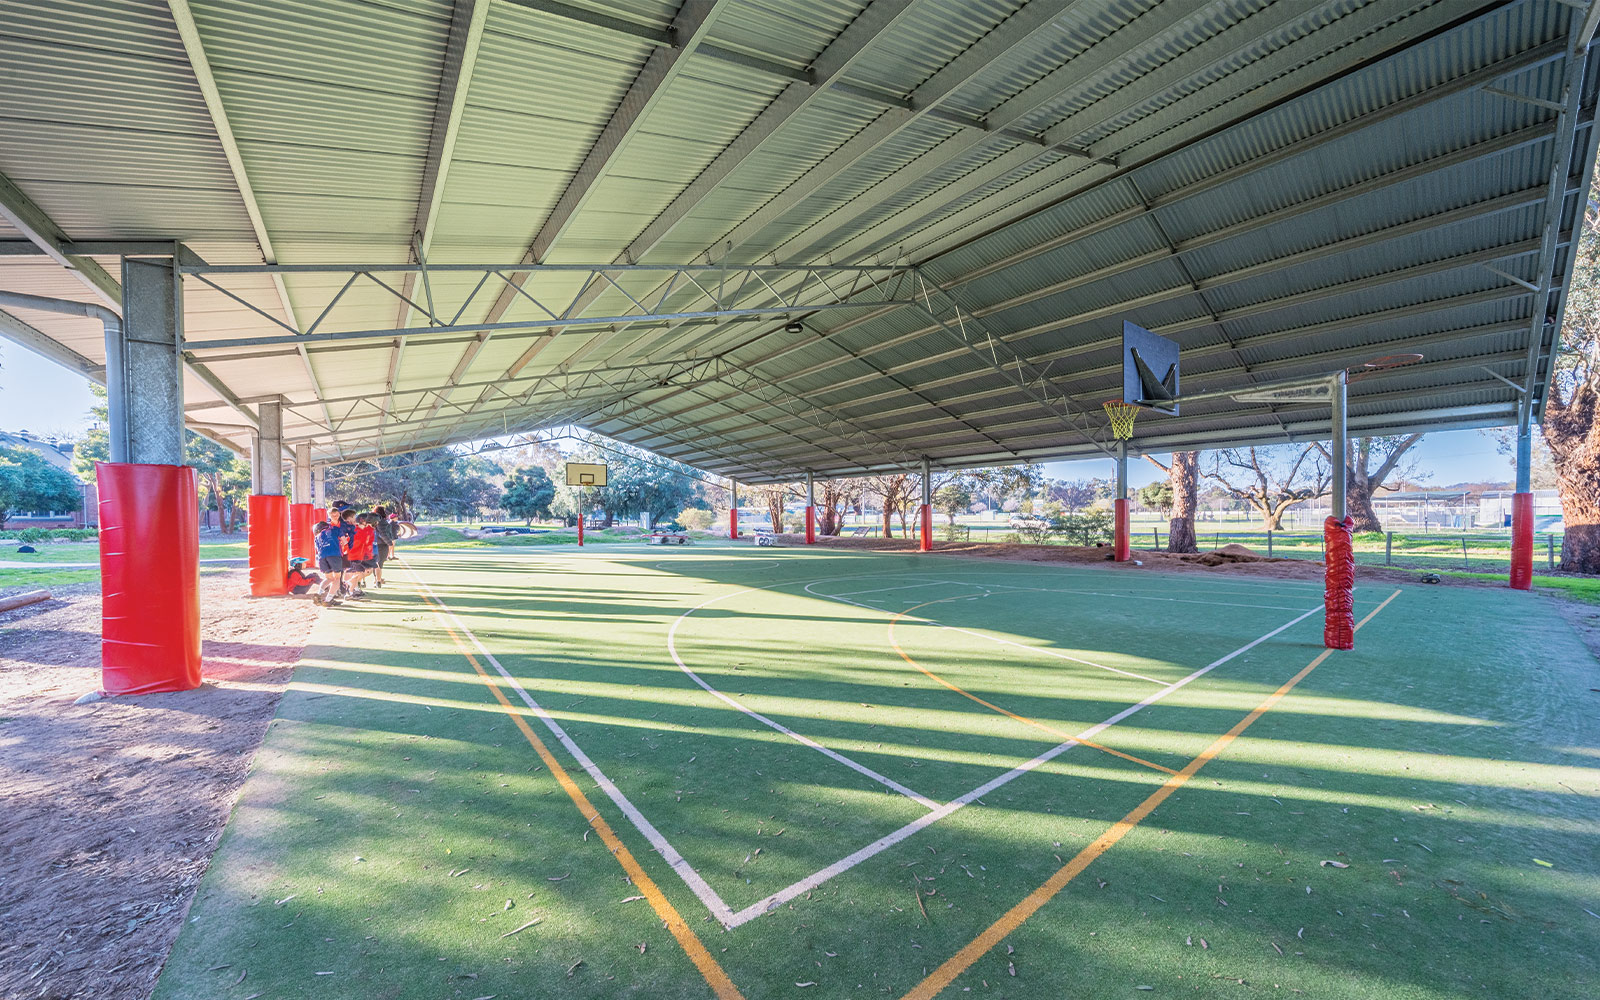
<point x="1522" y="541"/>
<point x="811" y="525"/>
<point x="1339" y="597"/>
<point x="1121" y="549"/>
<point x="269" y="545"/>
<point x="301" y="541"/>
<point x="925" y="518"/>
<point x="733" y="523"/>
<point x="150" y="576"/>
<point x="580" y="527"/>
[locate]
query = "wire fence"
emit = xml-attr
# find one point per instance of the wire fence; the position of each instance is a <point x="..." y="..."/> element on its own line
<point x="1477" y="551"/>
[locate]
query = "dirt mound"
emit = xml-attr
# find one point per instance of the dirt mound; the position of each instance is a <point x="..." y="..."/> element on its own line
<point x="1229" y="554"/>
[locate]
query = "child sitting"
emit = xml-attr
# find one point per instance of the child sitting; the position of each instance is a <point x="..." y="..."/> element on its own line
<point x="301" y="579"/>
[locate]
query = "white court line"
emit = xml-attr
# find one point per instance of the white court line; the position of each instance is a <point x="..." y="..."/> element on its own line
<point x="887" y="841"/>
<point x="672" y="648"/>
<point x="905" y="586"/>
<point x="993" y="638"/>
<point x="669" y="854"/>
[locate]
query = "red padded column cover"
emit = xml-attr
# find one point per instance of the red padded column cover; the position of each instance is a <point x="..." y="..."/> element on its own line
<point x="733" y="523"/>
<point x="1338" y="597"/>
<point x="811" y="525"/>
<point x="301" y="543"/>
<point x="1120" y="547"/>
<point x="269" y="545"/>
<point x="580" y="527"/>
<point x="925" y="519"/>
<point x="1522" y="541"/>
<point x="150" y="578"/>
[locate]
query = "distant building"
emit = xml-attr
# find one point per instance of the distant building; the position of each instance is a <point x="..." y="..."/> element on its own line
<point x="59" y="454"/>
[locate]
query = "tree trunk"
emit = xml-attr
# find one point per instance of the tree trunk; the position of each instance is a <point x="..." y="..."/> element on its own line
<point x="1184" y="478"/>
<point x="1358" y="504"/>
<point x="888" y="522"/>
<point x="610" y="519"/>
<point x="1271" y="519"/>
<point x="1573" y="434"/>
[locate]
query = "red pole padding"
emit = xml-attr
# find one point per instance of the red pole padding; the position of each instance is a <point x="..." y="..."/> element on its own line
<point x="1121" y="549"/>
<point x="580" y="527"/>
<point x="925" y="518"/>
<point x="150" y="578"/>
<point x="733" y="522"/>
<point x="1339" y="592"/>
<point x="301" y="543"/>
<point x="1522" y="541"/>
<point x="811" y="525"/>
<point x="269" y="545"/>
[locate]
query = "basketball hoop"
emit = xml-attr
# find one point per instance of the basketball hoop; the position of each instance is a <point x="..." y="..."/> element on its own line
<point x="1122" y="417"/>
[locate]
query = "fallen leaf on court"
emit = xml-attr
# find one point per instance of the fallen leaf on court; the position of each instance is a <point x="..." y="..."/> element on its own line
<point x="524" y="927"/>
<point x="831" y="954"/>
<point x="1205" y="944"/>
<point x="509" y="905"/>
<point x="641" y="947"/>
<point x="1011" y="967"/>
<point x="558" y="878"/>
<point x="805" y="984"/>
<point x="242" y="974"/>
<point x="489" y="996"/>
<point x="324" y="973"/>
<point x="285" y="899"/>
<point x="1543" y="864"/>
<point x="1010" y="950"/>
<point x="459" y="871"/>
<point x="1144" y="987"/>
<point x="1275" y="947"/>
<point x="632" y="899"/>
<point x="214" y="968"/>
<point x="1333" y="864"/>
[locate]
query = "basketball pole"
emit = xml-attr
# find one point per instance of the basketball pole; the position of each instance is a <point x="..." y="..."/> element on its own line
<point x="1121" y="548"/>
<point x="925" y="512"/>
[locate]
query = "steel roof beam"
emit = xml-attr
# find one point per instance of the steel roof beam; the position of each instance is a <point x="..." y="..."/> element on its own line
<point x="40" y="343"/>
<point x="467" y="20"/>
<point x="31" y="221"/>
<point x="189" y="34"/>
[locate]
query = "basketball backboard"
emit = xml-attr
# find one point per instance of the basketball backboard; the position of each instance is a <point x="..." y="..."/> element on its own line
<point x="1149" y="369"/>
<point x="585" y="474"/>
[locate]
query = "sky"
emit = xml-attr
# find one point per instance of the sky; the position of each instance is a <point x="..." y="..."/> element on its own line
<point x="42" y="397"/>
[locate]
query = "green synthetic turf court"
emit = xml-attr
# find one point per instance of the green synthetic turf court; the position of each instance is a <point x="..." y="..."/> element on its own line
<point x="821" y="773"/>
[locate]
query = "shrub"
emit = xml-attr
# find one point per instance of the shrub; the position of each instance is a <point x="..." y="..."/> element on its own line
<point x="55" y="535"/>
<point x="695" y="518"/>
<point x="1086" y="528"/>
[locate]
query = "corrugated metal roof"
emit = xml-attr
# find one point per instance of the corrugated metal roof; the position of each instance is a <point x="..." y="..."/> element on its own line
<point x="1332" y="175"/>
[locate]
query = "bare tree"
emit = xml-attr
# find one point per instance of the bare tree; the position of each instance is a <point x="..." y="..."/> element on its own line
<point x="1183" y="475"/>
<point x="775" y="496"/>
<point x="896" y="491"/>
<point x="1363" y="479"/>
<point x="1271" y="479"/>
<point x="836" y="496"/>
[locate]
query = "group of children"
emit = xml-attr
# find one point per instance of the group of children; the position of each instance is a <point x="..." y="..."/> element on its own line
<point x="351" y="547"/>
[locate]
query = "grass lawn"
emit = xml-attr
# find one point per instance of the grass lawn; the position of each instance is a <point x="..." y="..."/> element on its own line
<point x="1580" y="588"/>
<point x="727" y="771"/>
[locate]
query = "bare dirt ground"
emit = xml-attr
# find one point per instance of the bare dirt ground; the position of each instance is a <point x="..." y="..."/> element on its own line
<point x="100" y="849"/>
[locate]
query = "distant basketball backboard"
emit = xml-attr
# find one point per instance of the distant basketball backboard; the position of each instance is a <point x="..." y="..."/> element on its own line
<point x="584" y="474"/>
<point x="1149" y="369"/>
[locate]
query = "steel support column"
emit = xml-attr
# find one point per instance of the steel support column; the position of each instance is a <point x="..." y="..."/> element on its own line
<point x="266" y="451"/>
<point x="301" y="484"/>
<point x="1522" y="506"/>
<point x="144" y="367"/>
<point x="1338" y="596"/>
<point x="319" y="486"/>
<point x="1121" y="547"/>
<point x="925" y="512"/>
<point x="811" y="510"/>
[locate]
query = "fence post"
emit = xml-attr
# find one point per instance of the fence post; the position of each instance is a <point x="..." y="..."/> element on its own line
<point x="1551" y="559"/>
<point x="1157" y="532"/>
<point x="1464" y="563"/>
<point x="1269" y="543"/>
<point x="1388" y="549"/>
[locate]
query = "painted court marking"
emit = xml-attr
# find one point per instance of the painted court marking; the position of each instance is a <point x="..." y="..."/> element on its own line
<point x="958" y="963"/>
<point x="992" y="638"/>
<point x="710" y="969"/>
<point x="668" y="853"/>
<point x="698" y="885"/>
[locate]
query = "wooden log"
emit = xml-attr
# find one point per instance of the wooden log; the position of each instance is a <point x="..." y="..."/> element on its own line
<point x="16" y="601"/>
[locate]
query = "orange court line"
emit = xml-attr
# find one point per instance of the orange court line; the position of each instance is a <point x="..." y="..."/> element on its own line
<point x="714" y="975"/>
<point x="996" y="932"/>
<point x="990" y="705"/>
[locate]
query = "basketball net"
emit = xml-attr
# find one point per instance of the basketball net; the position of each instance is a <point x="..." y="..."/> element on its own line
<point x="1122" y="417"/>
